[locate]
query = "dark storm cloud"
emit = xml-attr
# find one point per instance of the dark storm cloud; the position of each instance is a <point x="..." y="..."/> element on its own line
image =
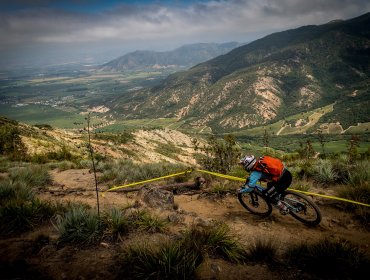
<point x="157" y="23"/>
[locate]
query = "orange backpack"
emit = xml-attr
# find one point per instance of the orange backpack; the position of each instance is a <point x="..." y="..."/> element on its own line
<point x="270" y="165"/>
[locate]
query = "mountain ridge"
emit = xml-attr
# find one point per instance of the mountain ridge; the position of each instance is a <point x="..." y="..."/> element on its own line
<point x="266" y="80"/>
<point x="179" y="58"/>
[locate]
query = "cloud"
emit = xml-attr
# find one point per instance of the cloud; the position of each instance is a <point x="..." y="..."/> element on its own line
<point x="157" y="23"/>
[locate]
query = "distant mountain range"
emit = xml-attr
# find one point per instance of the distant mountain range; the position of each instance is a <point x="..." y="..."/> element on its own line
<point x="183" y="57"/>
<point x="282" y="74"/>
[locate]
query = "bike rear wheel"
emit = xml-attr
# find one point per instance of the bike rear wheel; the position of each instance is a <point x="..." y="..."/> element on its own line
<point x="255" y="203"/>
<point x="302" y="208"/>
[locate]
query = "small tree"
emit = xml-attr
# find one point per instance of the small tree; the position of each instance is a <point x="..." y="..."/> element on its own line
<point x="352" y="147"/>
<point x="220" y="154"/>
<point x="306" y="151"/>
<point x="321" y="140"/>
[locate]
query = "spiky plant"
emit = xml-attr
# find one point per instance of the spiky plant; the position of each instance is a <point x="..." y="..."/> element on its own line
<point x="360" y="174"/>
<point x="263" y="250"/>
<point x="20" y="216"/>
<point x="79" y="226"/>
<point x="324" y="173"/>
<point x="21" y="191"/>
<point x="166" y="260"/>
<point x="334" y="259"/>
<point x="33" y="175"/>
<point x="215" y="240"/>
<point x="148" y="222"/>
<point x="116" y="223"/>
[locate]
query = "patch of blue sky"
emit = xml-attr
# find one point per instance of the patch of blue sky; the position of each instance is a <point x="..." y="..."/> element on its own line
<point x="87" y="5"/>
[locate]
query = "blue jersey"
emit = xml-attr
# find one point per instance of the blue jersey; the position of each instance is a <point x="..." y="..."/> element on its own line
<point x="255" y="177"/>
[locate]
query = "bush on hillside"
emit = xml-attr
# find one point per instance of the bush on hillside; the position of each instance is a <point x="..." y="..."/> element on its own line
<point x="330" y="259"/>
<point x="11" y="143"/>
<point x="20" y="216"/>
<point x="219" y="155"/>
<point x="33" y="175"/>
<point x="166" y="260"/>
<point x="79" y="226"/>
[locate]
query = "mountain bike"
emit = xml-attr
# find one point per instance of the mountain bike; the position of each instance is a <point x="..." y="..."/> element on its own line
<point x="297" y="205"/>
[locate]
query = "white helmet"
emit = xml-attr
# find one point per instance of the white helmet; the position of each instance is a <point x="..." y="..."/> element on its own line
<point x="248" y="162"/>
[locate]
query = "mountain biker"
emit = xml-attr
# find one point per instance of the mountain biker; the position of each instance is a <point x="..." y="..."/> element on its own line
<point x="270" y="170"/>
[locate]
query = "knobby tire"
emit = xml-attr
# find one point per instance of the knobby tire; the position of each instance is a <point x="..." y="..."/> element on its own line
<point x="311" y="217"/>
<point x="255" y="203"/>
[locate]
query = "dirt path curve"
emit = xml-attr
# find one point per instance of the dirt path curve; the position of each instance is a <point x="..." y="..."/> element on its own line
<point x="336" y="223"/>
<point x="100" y="262"/>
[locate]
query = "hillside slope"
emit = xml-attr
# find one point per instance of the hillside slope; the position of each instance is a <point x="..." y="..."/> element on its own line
<point x="274" y="77"/>
<point x="141" y="146"/>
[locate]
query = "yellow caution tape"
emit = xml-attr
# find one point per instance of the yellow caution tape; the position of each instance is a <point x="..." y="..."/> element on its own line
<point x="230" y="178"/>
<point x="147" y="181"/>
<point x="222" y="175"/>
<point x="331" y="197"/>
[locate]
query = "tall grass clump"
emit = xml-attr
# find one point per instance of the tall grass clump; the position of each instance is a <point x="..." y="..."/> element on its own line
<point x="263" y="250"/>
<point x="33" y="175"/>
<point x="79" y="226"/>
<point x="17" y="217"/>
<point x="148" y="222"/>
<point x="358" y="186"/>
<point x="216" y="241"/>
<point x="302" y="169"/>
<point x="12" y="190"/>
<point x="166" y="260"/>
<point x="330" y="259"/>
<point x="359" y="174"/>
<point x="116" y="224"/>
<point x="324" y="173"/>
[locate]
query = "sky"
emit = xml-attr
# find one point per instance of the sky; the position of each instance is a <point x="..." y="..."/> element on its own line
<point x="41" y="32"/>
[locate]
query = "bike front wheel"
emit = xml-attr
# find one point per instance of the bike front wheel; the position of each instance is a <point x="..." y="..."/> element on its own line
<point x="302" y="208"/>
<point x="255" y="203"/>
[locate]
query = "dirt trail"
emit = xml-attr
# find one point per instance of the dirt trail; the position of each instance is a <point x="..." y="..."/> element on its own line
<point x="96" y="263"/>
<point x="336" y="223"/>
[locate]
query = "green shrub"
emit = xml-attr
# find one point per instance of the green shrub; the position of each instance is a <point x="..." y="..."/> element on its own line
<point x="147" y="222"/>
<point x="223" y="188"/>
<point x="334" y="259"/>
<point x="18" y="217"/>
<point x="63" y="154"/>
<point x="116" y="223"/>
<point x="10" y="142"/>
<point x="62" y="165"/>
<point x="33" y="175"/>
<point x="116" y="138"/>
<point x="360" y="193"/>
<point x="219" y="154"/>
<point x="303" y="169"/>
<point x="263" y="250"/>
<point x="359" y="174"/>
<point x="342" y="171"/>
<point x="168" y="150"/>
<point x="324" y="172"/>
<point x="237" y="171"/>
<point x="301" y="185"/>
<point x="167" y="260"/>
<point x="13" y="190"/>
<point x="215" y="240"/>
<point x="79" y="226"/>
